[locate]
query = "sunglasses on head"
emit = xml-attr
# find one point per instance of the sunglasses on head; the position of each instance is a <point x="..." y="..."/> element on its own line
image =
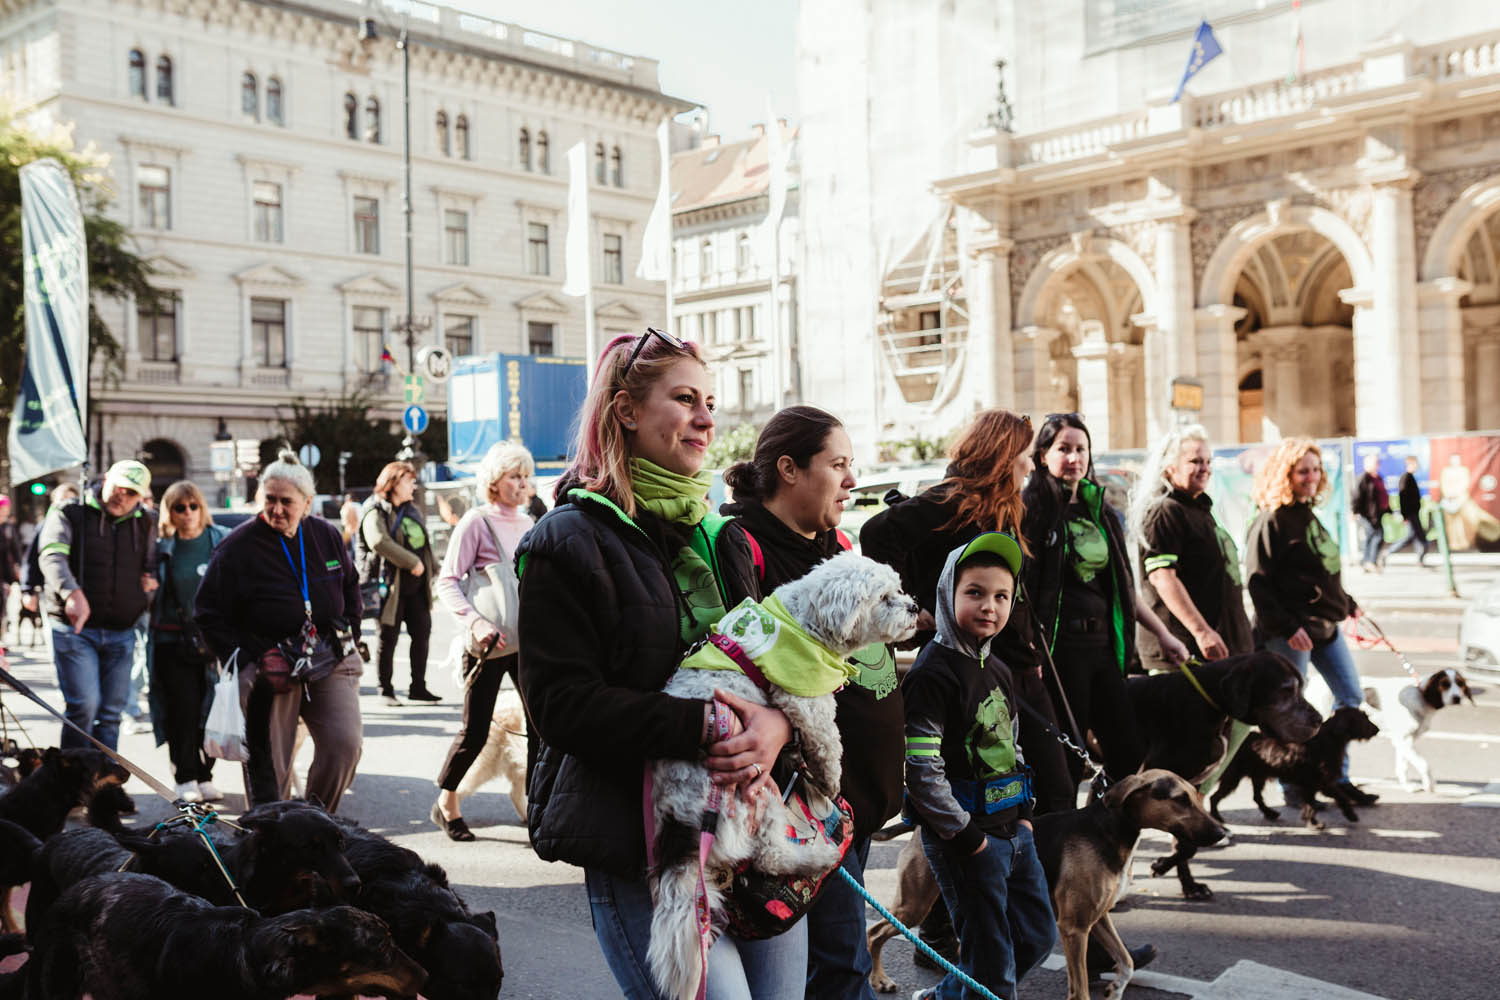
<point x="182" y="508"/>
<point x="1075" y="415"/>
<point x="640" y="345"/>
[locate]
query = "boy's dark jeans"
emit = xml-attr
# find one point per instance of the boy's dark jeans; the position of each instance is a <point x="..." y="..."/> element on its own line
<point x="1001" y="909"/>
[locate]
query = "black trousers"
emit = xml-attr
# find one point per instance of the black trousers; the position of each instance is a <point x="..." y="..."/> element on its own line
<point x="479" y="708"/>
<point x="1053" y="782"/>
<point x="182" y="688"/>
<point x="416" y="612"/>
<point x="1096" y="691"/>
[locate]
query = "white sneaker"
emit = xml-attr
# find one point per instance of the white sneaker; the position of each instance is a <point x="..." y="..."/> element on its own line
<point x="188" y="791"/>
<point x="209" y="792"/>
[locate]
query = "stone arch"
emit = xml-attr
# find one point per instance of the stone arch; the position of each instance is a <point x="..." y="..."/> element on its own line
<point x="1065" y="258"/>
<point x="1245" y="237"/>
<point x="1446" y="245"/>
<point x="168" y="462"/>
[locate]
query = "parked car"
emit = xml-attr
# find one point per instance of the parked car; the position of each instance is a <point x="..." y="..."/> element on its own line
<point x="868" y="497"/>
<point x="1479" y="633"/>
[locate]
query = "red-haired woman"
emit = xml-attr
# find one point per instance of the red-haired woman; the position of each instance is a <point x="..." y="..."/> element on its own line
<point x="617" y="581"/>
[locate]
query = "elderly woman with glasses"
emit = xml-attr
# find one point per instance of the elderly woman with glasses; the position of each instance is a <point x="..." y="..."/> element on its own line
<point x="617" y="581"/>
<point x="280" y="595"/>
<point x="181" y="675"/>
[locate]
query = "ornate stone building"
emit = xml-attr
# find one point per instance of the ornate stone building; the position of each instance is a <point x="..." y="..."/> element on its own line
<point x="1317" y="245"/>
<point x="255" y="148"/>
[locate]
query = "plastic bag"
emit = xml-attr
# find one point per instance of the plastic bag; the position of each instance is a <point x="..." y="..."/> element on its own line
<point x="224" y="732"/>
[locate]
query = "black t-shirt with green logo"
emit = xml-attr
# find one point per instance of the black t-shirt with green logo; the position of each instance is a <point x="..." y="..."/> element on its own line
<point x="1182" y="535"/>
<point x="1087" y="576"/>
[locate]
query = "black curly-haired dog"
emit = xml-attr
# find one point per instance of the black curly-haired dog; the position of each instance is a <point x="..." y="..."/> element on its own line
<point x="125" y="936"/>
<point x="460" y="949"/>
<point x="1309" y="767"/>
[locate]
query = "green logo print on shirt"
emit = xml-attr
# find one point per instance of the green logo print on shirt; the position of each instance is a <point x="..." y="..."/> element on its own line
<point x="1089" y="548"/>
<point x="1323" y="544"/>
<point x="877" y="669"/>
<point x="415" y="534"/>
<point x="1231" y="555"/>
<point x="991" y="745"/>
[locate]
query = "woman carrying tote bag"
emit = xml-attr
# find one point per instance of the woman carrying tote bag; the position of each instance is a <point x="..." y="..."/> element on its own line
<point x="479" y="561"/>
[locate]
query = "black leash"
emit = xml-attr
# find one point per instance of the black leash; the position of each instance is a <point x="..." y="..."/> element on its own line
<point x="1098" y="780"/>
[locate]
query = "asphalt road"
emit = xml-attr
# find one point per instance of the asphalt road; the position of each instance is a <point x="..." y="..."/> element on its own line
<point x="1402" y="905"/>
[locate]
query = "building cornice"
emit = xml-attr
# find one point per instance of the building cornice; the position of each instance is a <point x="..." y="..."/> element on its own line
<point x="154" y="144"/>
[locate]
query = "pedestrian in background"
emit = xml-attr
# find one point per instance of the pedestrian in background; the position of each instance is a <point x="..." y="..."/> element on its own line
<point x="182" y="674"/>
<point x="1190" y="567"/>
<point x="98" y="558"/>
<point x="281" y="591"/>
<point x="1371" y="504"/>
<point x="32" y="579"/>
<point x="487" y="534"/>
<point x="1409" y="498"/>
<point x="1293" y="572"/>
<point x="397" y="541"/>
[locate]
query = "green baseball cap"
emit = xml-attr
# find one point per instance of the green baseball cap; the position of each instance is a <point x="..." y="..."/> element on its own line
<point x="128" y="474"/>
<point x="999" y="543"/>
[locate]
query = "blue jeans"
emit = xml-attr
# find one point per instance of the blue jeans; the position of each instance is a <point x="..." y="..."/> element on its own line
<point x="93" y="673"/>
<point x="838" y="952"/>
<point x="1001" y="910"/>
<point x="1374" y="539"/>
<point x="1336" y="664"/>
<point x="773" y="969"/>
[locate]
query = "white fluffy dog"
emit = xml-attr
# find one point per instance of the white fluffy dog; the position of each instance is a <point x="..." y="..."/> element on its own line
<point x="842" y="605"/>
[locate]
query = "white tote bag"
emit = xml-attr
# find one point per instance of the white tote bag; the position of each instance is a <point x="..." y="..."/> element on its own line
<point x="495" y="593"/>
<point x="224" y="733"/>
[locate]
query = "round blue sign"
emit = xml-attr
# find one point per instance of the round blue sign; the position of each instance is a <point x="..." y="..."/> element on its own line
<point x="414" y="419"/>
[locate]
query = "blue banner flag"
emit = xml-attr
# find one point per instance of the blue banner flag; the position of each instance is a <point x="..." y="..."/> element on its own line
<point x="46" y="430"/>
<point x="1205" y="48"/>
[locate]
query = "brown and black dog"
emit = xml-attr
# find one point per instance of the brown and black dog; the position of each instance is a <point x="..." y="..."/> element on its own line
<point x="1187" y="730"/>
<point x="1083" y="853"/>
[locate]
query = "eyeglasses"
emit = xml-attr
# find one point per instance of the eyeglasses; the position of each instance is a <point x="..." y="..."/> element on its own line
<point x="183" y="508"/>
<point x="640" y="345"/>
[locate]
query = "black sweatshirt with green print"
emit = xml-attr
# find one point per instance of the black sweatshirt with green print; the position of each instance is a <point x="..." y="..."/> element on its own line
<point x="1293" y="573"/>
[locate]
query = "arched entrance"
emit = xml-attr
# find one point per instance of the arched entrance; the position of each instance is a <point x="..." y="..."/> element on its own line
<point x="1479" y="312"/>
<point x="165" y="460"/>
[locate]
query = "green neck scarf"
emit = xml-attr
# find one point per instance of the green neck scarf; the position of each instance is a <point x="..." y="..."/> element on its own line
<point x="671" y="497"/>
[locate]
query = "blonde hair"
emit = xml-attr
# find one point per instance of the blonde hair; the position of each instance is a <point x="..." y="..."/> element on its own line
<point x="177" y="493"/>
<point x="1153" y="487"/>
<point x="1273" y="483"/>
<point x="501" y="460"/>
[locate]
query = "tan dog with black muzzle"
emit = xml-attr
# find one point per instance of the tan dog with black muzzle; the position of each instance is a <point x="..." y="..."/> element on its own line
<point x="1084" y="853"/>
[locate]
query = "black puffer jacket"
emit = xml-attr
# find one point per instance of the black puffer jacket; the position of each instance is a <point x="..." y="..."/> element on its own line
<point x="600" y="636"/>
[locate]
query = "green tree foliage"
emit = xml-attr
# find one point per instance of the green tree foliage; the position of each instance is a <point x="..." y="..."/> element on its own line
<point x="341" y="424"/>
<point x="115" y="271"/>
<point x="734" y="445"/>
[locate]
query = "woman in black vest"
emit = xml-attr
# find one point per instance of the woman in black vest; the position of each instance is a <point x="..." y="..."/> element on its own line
<point x="393" y="530"/>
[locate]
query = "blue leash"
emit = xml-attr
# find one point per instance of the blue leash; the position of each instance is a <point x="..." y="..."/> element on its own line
<point x="911" y="936"/>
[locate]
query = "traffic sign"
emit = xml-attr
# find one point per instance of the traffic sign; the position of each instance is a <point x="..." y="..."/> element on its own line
<point x="435" y="362"/>
<point x="414" y="388"/>
<point x="414" y="419"/>
<point x="221" y="456"/>
<point x="310" y="455"/>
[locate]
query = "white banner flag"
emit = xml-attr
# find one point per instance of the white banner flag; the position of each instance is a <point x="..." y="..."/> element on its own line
<point x="656" y="243"/>
<point x="577" y="273"/>
<point x="776" y="155"/>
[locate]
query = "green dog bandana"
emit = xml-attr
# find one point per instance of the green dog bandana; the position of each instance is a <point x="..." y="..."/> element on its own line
<point x="786" y="654"/>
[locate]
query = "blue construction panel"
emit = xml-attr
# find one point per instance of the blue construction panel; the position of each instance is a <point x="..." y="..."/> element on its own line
<point x="533" y="399"/>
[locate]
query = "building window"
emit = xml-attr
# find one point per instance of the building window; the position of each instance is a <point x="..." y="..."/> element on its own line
<point x="442" y="134"/>
<point x="616" y="168"/>
<point x="599" y="164"/>
<point x="156" y="329"/>
<point x="742" y="252"/>
<point x="744" y="323"/>
<point x="541" y="338"/>
<point x="267" y="212"/>
<point x="706" y="258"/>
<point x="372" y="120"/>
<point x="137" y="74"/>
<point x="351" y="116"/>
<point x="274" y="113"/>
<point x="747" y="388"/>
<point x="369" y="339"/>
<point x="456" y="237"/>
<point x="930" y="319"/>
<point x="366" y="225"/>
<point x="268" y="332"/>
<point x="458" y="335"/>
<point x="249" y="96"/>
<point x="614" y="259"/>
<point x="543" y="154"/>
<point x="155" y="197"/>
<point x="536" y="249"/>
<point x="523" y="149"/>
<point x="710" y="323"/>
<point x="164" y="79"/>
<point x="461" y="136"/>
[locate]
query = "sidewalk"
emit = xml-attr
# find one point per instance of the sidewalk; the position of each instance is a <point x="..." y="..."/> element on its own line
<point x="1406" y="587"/>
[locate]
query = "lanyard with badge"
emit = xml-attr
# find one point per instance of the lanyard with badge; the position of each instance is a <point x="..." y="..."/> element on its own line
<point x="308" y="636"/>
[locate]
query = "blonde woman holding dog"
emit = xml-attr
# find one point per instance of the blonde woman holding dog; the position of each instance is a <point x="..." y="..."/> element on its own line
<point x="488" y="534"/>
<point x="617" y="582"/>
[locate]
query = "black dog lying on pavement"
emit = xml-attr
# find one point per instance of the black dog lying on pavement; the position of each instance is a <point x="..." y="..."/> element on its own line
<point x="125" y="936"/>
<point x="1187" y="731"/>
<point x="459" y="949"/>
<point x="1310" y="767"/>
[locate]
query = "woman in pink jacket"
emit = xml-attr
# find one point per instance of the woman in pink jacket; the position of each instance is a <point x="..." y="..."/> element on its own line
<point x="502" y="480"/>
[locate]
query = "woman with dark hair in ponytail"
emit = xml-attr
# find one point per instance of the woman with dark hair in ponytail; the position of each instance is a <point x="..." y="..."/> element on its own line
<point x="789" y="499"/>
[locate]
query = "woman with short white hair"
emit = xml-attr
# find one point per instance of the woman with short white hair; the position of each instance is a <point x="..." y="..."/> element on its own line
<point x="1190" y="567"/>
<point x="487" y="535"/>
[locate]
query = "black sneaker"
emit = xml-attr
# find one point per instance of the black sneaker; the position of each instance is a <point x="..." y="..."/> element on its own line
<point x="1101" y="963"/>
<point x="422" y="694"/>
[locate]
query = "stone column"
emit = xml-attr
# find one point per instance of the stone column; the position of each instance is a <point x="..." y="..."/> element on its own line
<point x="1218" y="368"/>
<point x="1032" y="347"/>
<point x="1282" y="356"/>
<point x="1387" y="364"/>
<point x="1175" y="295"/>
<point x="1127" y="424"/>
<point x="1094" y="383"/>
<point x="1440" y="325"/>
<point x="991" y="373"/>
<point x="1487" y="374"/>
